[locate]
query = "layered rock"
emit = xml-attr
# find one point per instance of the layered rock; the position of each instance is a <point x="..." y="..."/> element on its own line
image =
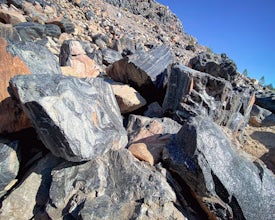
<point x="206" y="161"/>
<point x="105" y="188"/>
<point x="266" y="100"/>
<point x="143" y="71"/>
<point x="218" y="65"/>
<point x="9" y="165"/>
<point x="76" y="119"/>
<point x="190" y="93"/>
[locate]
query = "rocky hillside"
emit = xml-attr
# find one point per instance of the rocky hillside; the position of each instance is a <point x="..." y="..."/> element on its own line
<point x="109" y="110"/>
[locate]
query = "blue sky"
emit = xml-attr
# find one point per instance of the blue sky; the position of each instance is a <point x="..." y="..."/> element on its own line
<point x="243" y="29"/>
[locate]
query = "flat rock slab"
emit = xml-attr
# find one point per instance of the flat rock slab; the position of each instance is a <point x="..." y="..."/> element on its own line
<point x="76" y="119"/>
<point x="227" y="183"/>
<point x="115" y="186"/>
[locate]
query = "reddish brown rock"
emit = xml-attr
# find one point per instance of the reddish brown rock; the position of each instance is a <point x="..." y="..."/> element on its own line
<point x="140" y="151"/>
<point x="12" y="17"/>
<point x="11" y="117"/>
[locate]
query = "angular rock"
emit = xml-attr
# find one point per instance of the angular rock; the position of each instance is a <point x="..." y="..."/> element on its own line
<point x="75" y="119"/>
<point x="115" y="186"/>
<point x="65" y="25"/>
<point x="30" y="31"/>
<point x="266" y="100"/>
<point x="261" y="117"/>
<point x="8" y="32"/>
<point x="9" y="165"/>
<point x="37" y="57"/>
<point x="52" y="30"/>
<point x="72" y="54"/>
<point x="226" y="183"/>
<point x="141" y="151"/>
<point x="110" y="56"/>
<point x="11" y="116"/>
<point x="215" y="65"/>
<point x="11" y="17"/>
<point x="190" y="93"/>
<point x="143" y="71"/>
<point x="28" y="198"/>
<point x="128" y="99"/>
<point x="154" y="110"/>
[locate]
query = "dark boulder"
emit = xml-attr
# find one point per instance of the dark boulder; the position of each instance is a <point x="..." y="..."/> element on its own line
<point x="261" y="117"/>
<point x="191" y="93"/>
<point x="110" y="56"/>
<point x="75" y="119"/>
<point x="145" y="72"/>
<point x="65" y="25"/>
<point x="266" y="100"/>
<point x="225" y="182"/>
<point x="215" y="64"/>
<point x="115" y="186"/>
<point x="30" y="31"/>
<point x="52" y="30"/>
<point x="38" y="58"/>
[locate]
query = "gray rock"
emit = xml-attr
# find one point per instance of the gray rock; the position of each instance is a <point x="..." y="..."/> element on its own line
<point x="76" y="119"/>
<point x="52" y="30"/>
<point x="7" y="31"/>
<point x="190" y="93"/>
<point x="143" y="71"/>
<point x="228" y="184"/>
<point x="31" y="195"/>
<point x="115" y="186"/>
<point x="9" y="164"/>
<point x="65" y="25"/>
<point x="110" y="56"/>
<point x="215" y="64"/>
<point x="266" y="100"/>
<point x="37" y="57"/>
<point x="261" y="117"/>
<point x="153" y="110"/>
<point x="30" y="31"/>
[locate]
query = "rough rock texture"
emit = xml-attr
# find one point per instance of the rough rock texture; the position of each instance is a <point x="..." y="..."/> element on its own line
<point x="266" y="100"/>
<point x="76" y="119"/>
<point x="143" y="71"/>
<point x="192" y="93"/>
<point x="9" y="165"/>
<point x="105" y="188"/>
<point x="110" y="56"/>
<point x="11" y="17"/>
<point x="229" y="185"/>
<point x="128" y="99"/>
<point x="28" y="198"/>
<point x="30" y="31"/>
<point x="72" y="54"/>
<point x="261" y="117"/>
<point x="149" y="136"/>
<point x="37" y="57"/>
<point x="8" y="32"/>
<point x="214" y="64"/>
<point x="11" y="117"/>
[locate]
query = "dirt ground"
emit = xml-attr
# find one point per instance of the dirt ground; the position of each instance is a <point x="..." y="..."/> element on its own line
<point x="261" y="144"/>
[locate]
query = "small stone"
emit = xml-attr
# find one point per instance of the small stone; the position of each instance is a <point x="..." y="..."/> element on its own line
<point x="140" y="151"/>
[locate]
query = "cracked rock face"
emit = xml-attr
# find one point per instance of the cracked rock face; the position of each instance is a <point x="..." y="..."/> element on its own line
<point x="227" y="183"/>
<point x="105" y="188"/>
<point x="76" y="119"/>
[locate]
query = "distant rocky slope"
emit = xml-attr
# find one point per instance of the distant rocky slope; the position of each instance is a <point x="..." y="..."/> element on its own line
<point x="109" y="110"/>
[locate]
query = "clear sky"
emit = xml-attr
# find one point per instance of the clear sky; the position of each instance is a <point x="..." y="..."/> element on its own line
<point x="243" y="29"/>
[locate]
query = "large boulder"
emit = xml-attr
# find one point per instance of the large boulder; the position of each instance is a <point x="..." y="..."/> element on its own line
<point x="115" y="186"/>
<point x="225" y="182"/>
<point x="191" y="92"/>
<point x="261" y="117"/>
<point x="76" y="119"/>
<point x="9" y="165"/>
<point x="143" y="71"/>
<point x="266" y="100"/>
<point x="30" y="31"/>
<point x="31" y="195"/>
<point x="218" y="65"/>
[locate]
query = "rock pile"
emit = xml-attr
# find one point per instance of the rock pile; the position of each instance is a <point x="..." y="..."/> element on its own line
<point x="101" y="117"/>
